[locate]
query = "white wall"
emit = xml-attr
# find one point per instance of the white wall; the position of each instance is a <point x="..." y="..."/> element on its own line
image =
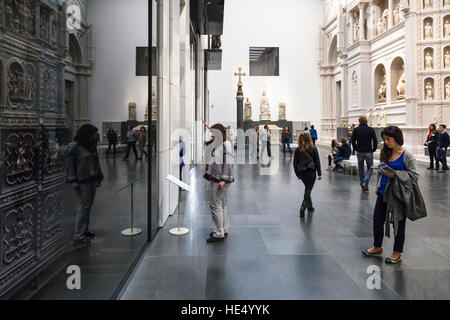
<point x="118" y="28"/>
<point x="291" y="25"/>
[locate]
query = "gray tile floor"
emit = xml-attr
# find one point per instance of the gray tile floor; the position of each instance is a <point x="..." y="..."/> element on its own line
<point x="272" y="254"/>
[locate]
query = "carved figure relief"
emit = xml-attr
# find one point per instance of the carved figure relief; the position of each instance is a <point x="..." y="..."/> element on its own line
<point x="355" y="88"/>
<point x="401" y="85"/>
<point x="447" y="90"/>
<point x="382" y="90"/>
<point x="429" y="91"/>
<point x="428" y="61"/>
<point x="17" y="233"/>
<point x="52" y="219"/>
<point x="50" y="87"/>
<point x="132" y="111"/>
<point x="446" y="3"/>
<point x="19" y="158"/>
<point x="265" y="108"/>
<point x="427" y="4"/>
<point x="282" y="111"/>
<point x="21" y="16"/>
<point x="21" y="84"/>
<point x="428" y="29"/>
<point x="446" y="29"/>
<point x="248" y="110"/>
<point x="48" y="25"/>
<point x="447" y="59"/>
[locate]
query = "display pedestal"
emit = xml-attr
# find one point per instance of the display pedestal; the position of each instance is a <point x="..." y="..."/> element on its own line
<point x="179" y="231"/>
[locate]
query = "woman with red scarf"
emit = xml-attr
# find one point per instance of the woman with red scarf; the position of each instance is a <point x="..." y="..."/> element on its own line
<point x="431" y="143"/>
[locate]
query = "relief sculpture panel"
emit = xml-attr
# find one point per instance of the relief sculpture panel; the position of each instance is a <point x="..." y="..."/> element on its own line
<point x="21" y="84"/>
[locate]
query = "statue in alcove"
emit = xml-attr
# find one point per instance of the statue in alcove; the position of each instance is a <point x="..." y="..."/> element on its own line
<point x="355" y="26"/>
<point x="248" y="110"/>
<point x="383" y="118"/>
<point x="447" y="90"/>
<point x="385" y="17"/>
<point x="447" y="59"/>
<point x="397" y="15"/>
<point x="428" y="31"/>
<point x="447" y="3"/>
<point x="382" y="91"/>
<point x="374" y="121"/>
<point x="427" y="4"/>
<point x="428" y="61"/>
<point x="401" y="85"/>
<point x="429" y="91"/>
<point x="447" y="29"/>
<point x="380" y="26"/>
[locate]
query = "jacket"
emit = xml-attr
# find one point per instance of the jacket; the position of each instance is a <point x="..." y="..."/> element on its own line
<point x="220" y="166"/>
<point x="402" y="195"/>
<point x="301" y="161"/>
<point x="432" y="138"/>
<point x="112" y="137"/>
<point x="313" y="133"/>
<point x="344" y="151"/>
<point x="364" y="139"/>
<point x="132" y="136"/>
<point x="82" y="164"/>
<point x="285" y="137"/>
<point x="443" y="140"/>
<point x="142" y="138"/>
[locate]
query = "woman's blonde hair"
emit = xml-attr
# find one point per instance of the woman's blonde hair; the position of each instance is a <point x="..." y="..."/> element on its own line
<point x="304" y="141"/>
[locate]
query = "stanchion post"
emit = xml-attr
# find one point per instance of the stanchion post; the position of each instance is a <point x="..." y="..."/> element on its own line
<point x="132" y="231"/>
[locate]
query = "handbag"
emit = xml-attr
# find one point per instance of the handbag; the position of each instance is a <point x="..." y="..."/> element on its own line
<point x="311" y="165"/>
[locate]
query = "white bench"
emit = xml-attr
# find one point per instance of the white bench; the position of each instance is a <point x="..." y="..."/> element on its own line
<point x="353" y="163"/>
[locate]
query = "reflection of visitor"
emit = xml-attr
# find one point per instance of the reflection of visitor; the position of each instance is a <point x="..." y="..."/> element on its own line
<point x="142" y="139"/>
<point x="132" y="137"/>
<point x="84" y="173"/>
<point x="112" y="141"/>
<point x="182" y="153"/>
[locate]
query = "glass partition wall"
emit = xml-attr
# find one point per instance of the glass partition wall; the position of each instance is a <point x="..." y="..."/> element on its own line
<point x="65" y="64"/>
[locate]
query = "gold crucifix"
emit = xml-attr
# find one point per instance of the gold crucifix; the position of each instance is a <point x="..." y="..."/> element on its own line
<point x="240" y="74"/>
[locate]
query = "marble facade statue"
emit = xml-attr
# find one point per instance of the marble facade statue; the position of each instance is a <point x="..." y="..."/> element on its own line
<point x="382" y="91"/>
<point x="383" y="118"/>
<point x="385" y="18"/>
<point x="447" y="59"/>
<point x="374" y="120"/>
<point x="427" y="4"/>
<point x="447" y="90"/>
<point x="132" y="111"/>
<point x="380" y="26"/>
<point x="446" y="3"/>
<point x="446" y="29"/>
<point x="355" y="26"/>
<point x="282" y="111"/>
<point x="428" y="61"/>
<point x="429" y="91"/>
<point x="401" y="85"/>
<point x="428" y="31"/>
<point x="248" y="110"/>
<point x="265" y="107"/>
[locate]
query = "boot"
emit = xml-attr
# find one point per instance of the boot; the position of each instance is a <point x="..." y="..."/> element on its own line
<point x="310" y="207"/>
<point x="303" y="209"/>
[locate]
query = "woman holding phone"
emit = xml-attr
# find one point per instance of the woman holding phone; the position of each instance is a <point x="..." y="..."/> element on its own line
<point x="394" y="158"/>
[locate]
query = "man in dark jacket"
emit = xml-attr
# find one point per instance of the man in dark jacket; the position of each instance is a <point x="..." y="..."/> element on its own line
<point x="132" y="137"/>
<point x="443" y="143"/>
<point x="364" y="141"/>
<point x="112" y="141"/>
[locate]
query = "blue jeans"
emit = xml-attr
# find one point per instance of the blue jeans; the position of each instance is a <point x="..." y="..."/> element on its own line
<point x="288" y="146"/>
<point x="86" y="195"/>
<point x="441" y="156"/>
<point x="141" y="149"/>
<point x="337" y="162"/>
<point x="368" y="157"/>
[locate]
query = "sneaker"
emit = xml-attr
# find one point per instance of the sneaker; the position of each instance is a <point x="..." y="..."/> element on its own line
<point x="211" y="234"/>
<point x="214" y="239"/>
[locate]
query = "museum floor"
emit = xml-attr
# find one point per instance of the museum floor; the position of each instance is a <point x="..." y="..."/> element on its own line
<point x="272" y="254"/>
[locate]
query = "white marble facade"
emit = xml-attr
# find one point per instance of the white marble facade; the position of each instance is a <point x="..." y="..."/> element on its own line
<point x="400" y="44"/>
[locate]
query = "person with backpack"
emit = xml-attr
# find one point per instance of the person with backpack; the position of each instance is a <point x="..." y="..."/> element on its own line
<point x="313" y="133"/>
<point x="306" y="165"/>
<point x="220" y="173"/>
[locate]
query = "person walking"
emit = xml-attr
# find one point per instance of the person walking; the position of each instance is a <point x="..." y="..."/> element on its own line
<point x="269" y="150"/>
<point x="132" y="137"/>
<point x="431" y="143"/>
<point x="257" y="141"/>
<point x="253" y="140"/>
<point x="364" y="141"/>
<point x="313" y="133"/>
<point x="84" y="173"/>
<point x="306" y="164"/>
<point x="142" y="140"/>
<point x="343" y="153"/>
<point x="333" y="152"/>
<point x="286" y="141"/>
<point x="182" y="153"/>
<point x="398" y="195"/>
<point x="111" y="136"/>
<point x="443" y="143"/>
<point x="220" y="173"/>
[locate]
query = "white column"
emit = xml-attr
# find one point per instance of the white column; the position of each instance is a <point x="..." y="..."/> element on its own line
<point x="362" y="35"/>
<point x="391" y="14"/>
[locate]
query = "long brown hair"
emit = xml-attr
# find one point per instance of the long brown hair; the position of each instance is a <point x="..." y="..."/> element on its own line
<point x="221" y="128"/>
<point x="391" y="132"/>
<point x="433" y="127"/>
<point x="304" y="142"/>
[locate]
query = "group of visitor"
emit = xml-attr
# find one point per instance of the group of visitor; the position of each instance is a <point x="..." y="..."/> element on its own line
<point x="438" y="142"/>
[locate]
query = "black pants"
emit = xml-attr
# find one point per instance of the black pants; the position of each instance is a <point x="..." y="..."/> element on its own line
<point x="131" y="145"/>
<point x="269" y="152"/>
<point x="111" y="144"/>
<point x="308" y="178"/>
<point x="432" y="154"/>
<point x="379" y="218"/>
<point x="330" y="159"/>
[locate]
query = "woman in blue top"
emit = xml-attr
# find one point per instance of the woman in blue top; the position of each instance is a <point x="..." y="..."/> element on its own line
<point x="395" y="156"/>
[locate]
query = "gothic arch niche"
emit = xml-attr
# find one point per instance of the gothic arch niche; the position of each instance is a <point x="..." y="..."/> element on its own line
<point x="332" y="52"/>
<point x="446" y="26"/>
<point x="428" y="85"/>
<point x="380" y="84"/>
<point x="447" y="88"/>
<point x="75" y="53"/>
<point x="398" y="79"/>
<point x="428" y="28"/>
<point x="428" y="59"/>
<point x="446" y="55"/>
